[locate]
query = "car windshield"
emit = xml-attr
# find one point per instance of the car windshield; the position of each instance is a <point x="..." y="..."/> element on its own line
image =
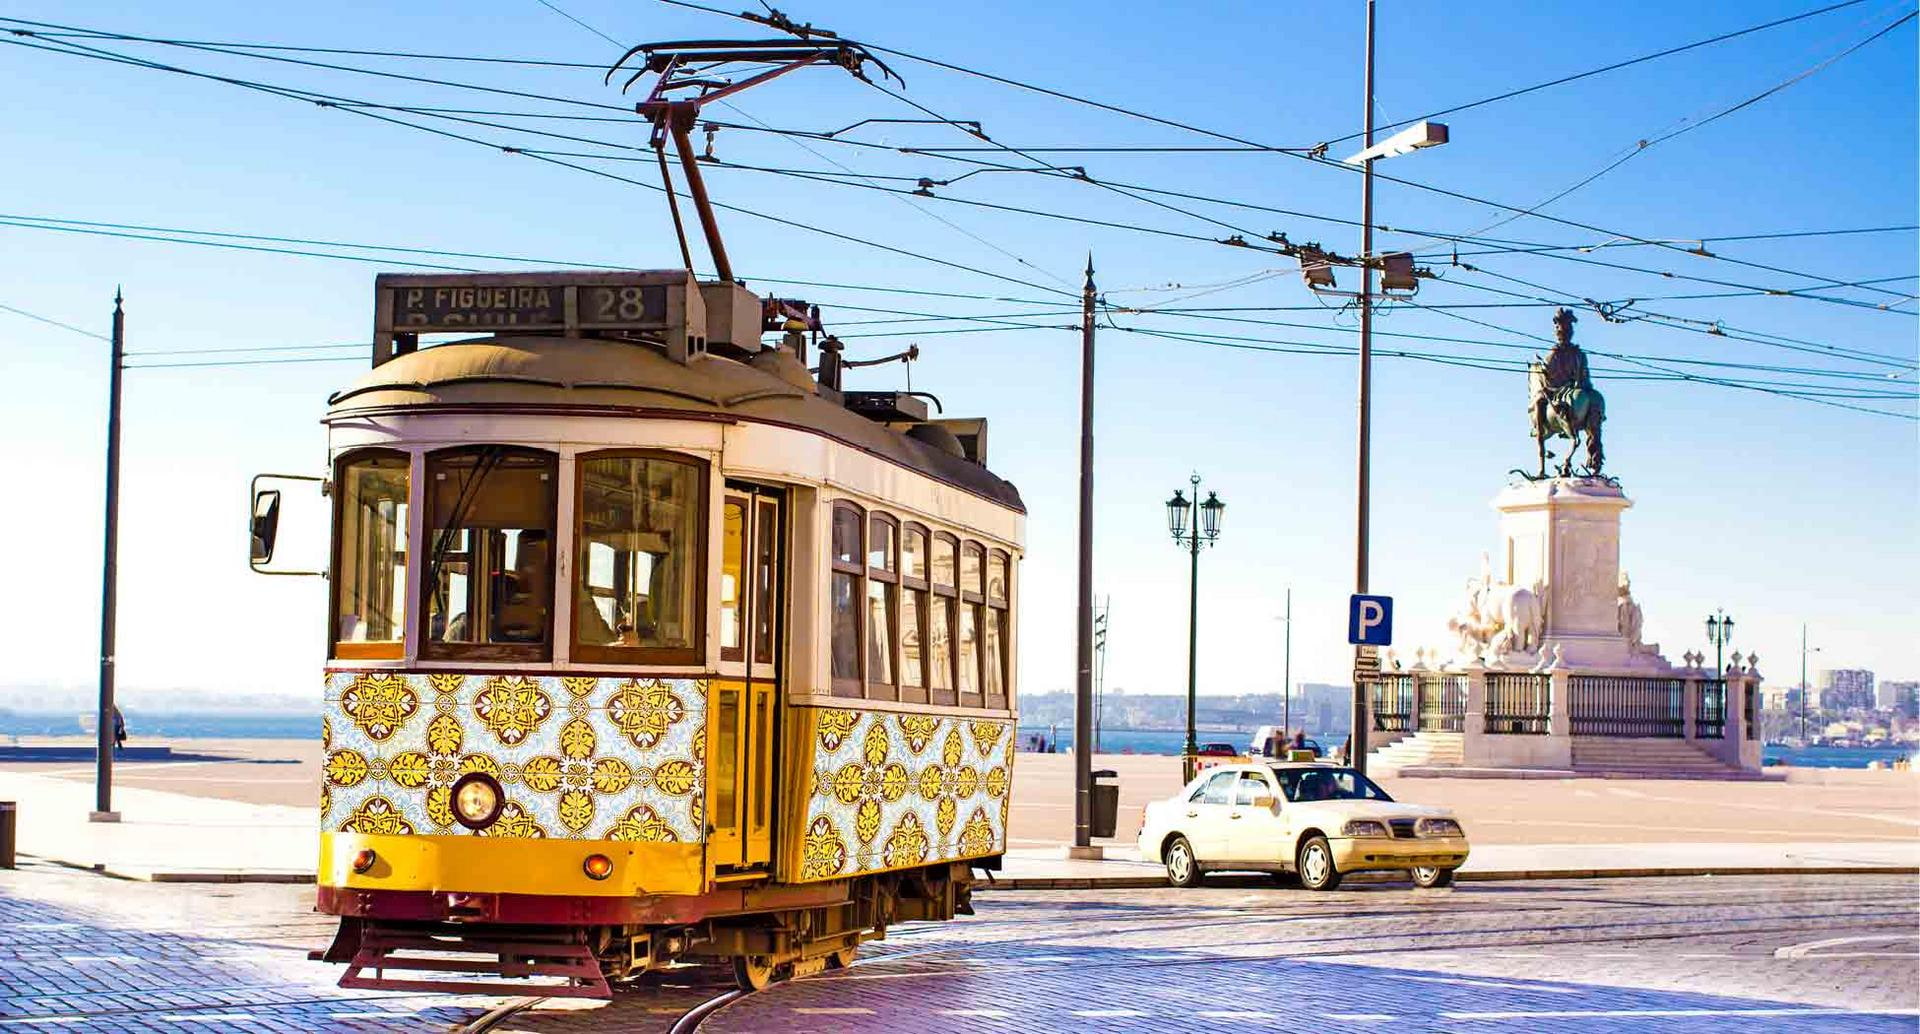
<point x="1327" y="784"/>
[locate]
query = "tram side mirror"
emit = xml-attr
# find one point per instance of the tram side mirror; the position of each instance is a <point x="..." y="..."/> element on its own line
<point x="266" y="525"/>
<point x="263" y="524"/>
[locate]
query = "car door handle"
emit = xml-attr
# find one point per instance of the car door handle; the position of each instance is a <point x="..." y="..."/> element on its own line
<point x="1235" y="815"/>
<point x="1193" y="814"/>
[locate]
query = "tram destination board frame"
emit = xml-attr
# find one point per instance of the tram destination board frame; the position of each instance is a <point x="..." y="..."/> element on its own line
<point x="568" y="303"/>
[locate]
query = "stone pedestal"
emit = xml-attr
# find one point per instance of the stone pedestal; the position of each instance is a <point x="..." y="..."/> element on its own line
<point x="1561" y="538"/>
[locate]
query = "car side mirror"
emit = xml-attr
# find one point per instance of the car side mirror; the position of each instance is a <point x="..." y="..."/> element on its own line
<point x="265" y="524"/>
<point x="1264" y="801"/>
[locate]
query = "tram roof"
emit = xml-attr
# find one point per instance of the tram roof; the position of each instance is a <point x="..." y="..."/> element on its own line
<point x="588" y="375"/>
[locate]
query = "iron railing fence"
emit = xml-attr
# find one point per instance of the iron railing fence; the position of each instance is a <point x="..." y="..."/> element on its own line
<point x="1627" y="705"/>
<point x="1391" y="703"/>
<point x="1442" y="702"/>
<point x="1518" y="703"/>
<point x="1710" y="713"/>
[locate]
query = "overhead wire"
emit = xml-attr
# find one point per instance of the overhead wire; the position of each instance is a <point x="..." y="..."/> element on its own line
<point x="1646" y="144"/>
<point x="1319" y="159"/>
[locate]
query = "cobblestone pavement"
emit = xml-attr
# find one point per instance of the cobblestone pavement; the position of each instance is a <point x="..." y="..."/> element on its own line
<point x="83" y="952"/>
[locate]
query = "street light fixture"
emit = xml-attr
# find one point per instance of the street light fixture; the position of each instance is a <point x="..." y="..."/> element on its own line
<point x="1719" y="633"/>
<point x="1407" y="141"/>
<point x="1189" y="533"/>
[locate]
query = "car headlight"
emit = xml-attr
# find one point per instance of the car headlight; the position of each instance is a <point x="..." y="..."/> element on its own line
<point x="1439" y="828"/>
<point x="476" y="800"/>
<point x="1364" y="828"/>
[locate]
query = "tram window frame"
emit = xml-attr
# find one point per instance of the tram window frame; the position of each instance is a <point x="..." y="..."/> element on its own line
<point x="887" y="578"/>
<point x="1000" y="618"/>
<point x="970" y="653"/>
<point x="695" y="652"/>
<point x="853" y="568"/>
<point x="380" y="649"/>
<point x="431" y="649"/>
<point x="944" y="602"/>
<point x="915" y="588"/>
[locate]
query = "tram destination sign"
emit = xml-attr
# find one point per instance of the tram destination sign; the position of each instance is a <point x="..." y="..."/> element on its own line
<point x="429" y="309"/>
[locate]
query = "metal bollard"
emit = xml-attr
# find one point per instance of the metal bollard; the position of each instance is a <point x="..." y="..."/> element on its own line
<point x="9" y="816"/>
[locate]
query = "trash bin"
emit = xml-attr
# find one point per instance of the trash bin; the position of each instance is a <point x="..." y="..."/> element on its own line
<point x="1106" y="804"/>
<point x="9" y="813"/>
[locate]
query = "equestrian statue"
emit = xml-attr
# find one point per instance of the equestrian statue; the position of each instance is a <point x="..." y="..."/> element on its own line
<point x="1565" y="404"/>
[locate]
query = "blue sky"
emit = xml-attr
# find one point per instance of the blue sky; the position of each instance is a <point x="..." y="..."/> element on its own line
<point x="1778" y="509"/>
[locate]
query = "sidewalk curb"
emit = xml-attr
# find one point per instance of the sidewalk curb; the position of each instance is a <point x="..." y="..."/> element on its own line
<point x="1511" y="875"/>
<point x="184" y="876"/>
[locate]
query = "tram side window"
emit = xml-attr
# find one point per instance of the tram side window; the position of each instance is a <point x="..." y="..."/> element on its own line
<point x="883" y="576"/>
<point x="488" y="576"/>
<point x="940" y="619"/>
<point x="913" y="614"/>
<point x="972" y="619"/>
<point x="849" y="560"/>
<point x="370" y="568"/>
<point x="998" y="598"/>
<point x="641" y="562"/>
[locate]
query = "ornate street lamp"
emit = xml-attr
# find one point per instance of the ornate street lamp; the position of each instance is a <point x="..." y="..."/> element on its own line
<point x="1719" y="633"/>
<point x="1189" y="534"/>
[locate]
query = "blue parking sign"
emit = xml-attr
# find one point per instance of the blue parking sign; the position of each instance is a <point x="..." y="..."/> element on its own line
<point x="1370" y="620"/>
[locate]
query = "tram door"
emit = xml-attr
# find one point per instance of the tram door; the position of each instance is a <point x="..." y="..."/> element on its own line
<point x="740" y="727"/>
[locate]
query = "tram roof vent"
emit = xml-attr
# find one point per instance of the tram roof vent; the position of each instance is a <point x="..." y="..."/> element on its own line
<point x="888" y="407"/>
<point x="666" y="307"/>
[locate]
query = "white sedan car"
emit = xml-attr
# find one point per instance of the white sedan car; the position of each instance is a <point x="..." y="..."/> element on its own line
<point x="1318" y="820"/>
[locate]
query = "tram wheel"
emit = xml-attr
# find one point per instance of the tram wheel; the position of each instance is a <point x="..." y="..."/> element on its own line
<point x="843" y="958"/>
<point x="754" y="972"/>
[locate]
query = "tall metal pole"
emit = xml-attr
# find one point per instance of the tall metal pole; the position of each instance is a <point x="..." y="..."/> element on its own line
<point x="1286" y="683"/>
<point x="1083" y="603"/>
<point x="1358" y="756"/>
<point x="1193" y="632"/>
<point x="1803" y="683"/>
<point x="109" y="575"/>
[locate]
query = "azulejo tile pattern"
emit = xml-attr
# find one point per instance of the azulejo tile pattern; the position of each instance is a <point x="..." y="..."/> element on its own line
<point x="890" y="791"/>
<point x="579" y="758"/>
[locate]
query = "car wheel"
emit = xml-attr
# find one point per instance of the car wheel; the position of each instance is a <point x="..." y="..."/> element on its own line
<point x="1183" y="869"/>
<point x="1315" y="865"/>
<point x="1432" y="876"/>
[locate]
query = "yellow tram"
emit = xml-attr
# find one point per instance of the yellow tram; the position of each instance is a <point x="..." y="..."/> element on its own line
<point x="647" y="644"/>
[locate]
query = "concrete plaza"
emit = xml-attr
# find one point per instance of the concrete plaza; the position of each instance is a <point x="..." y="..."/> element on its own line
<point x="252" y="817"/>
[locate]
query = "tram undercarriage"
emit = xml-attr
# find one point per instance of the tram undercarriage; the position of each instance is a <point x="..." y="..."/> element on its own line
<point x="766" y="933"/>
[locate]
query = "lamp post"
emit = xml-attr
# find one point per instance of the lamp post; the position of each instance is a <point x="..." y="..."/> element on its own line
<point x="1406" y="142"/>
<point x="1189" y="531"/>
<point x="1719" y="633"/>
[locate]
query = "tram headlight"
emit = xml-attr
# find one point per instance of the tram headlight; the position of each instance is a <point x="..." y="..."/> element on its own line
<point x="597" y="867"/>
<point x="1364" y="828"/>
<point x="364" y="859"/>
<point x="477" y="800"/>
<point x="1439" y="828"/>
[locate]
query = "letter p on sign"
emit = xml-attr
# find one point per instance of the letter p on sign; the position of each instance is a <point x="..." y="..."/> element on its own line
<point x="1370" y="620"/>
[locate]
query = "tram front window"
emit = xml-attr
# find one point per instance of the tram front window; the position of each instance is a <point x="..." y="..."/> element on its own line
<point x="639" y="567"/>
<point x="489" y="572"/>
<point x="370" y="571"/>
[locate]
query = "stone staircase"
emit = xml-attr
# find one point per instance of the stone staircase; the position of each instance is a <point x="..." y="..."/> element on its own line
<point x="1419" y="750"/>
<point x="1651" y="757"/>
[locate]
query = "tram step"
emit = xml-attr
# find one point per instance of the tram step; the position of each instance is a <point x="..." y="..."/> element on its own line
<point x="515" y="955"/>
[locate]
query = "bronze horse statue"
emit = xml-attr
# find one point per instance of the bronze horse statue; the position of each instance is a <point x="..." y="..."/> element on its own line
<point x="1567" y="412"/>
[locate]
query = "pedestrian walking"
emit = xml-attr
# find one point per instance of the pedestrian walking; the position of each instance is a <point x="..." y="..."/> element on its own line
<point x="119" y="730"/>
